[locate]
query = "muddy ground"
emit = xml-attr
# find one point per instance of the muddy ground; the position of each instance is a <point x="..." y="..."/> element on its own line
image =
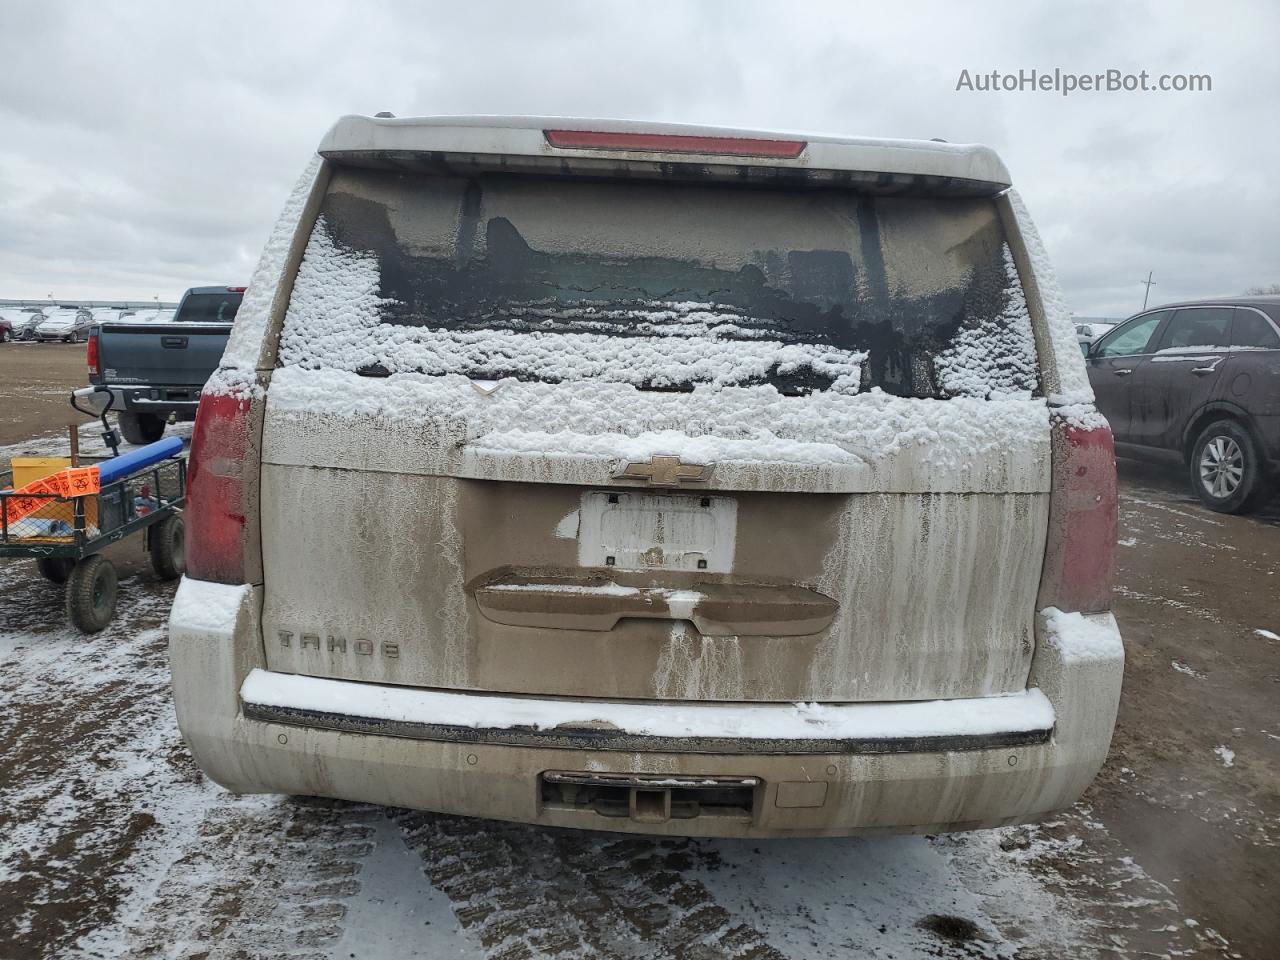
<point x="113" y="845"/>
<point x="35" y="381"/>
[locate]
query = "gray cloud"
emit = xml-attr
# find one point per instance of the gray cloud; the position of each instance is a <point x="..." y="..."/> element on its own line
<point x="149" y="146"/>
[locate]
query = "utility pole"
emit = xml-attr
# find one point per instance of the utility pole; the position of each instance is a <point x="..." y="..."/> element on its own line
<point x="1150" y="283"/>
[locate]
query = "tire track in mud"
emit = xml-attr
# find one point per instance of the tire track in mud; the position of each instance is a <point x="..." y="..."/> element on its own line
<point x="528" y="892"/>
<point x="112" y="843"/>
<point x="79" y="712"/>
<point x="270" y="883"/>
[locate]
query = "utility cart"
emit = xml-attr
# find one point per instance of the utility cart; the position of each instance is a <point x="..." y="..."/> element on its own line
<point x="63" y="512"/>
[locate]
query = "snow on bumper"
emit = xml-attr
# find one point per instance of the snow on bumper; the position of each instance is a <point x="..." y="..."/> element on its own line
<point x="799" y="728"/>
<point x="881" y="767"/>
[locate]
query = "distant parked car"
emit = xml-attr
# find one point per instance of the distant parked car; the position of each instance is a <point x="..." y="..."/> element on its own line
<point x="1198" y="384"/>
<point x="1088" y="333"/>
<point x="22" y="321"/>
<point x="142" y="315"/>
<point x="66" y="324"/>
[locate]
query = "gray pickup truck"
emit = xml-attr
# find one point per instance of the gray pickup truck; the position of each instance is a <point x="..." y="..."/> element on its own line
<point x="156" y="369"/>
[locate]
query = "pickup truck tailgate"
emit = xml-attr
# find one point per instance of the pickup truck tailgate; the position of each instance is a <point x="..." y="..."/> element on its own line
<point x="173" y="354"/>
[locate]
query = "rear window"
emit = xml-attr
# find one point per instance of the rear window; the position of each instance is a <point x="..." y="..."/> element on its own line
<point x="1197" y="327"/>
<point x="209" y="307"/>
<point x="1250" y="329"/>
<point x="665" y="286"/>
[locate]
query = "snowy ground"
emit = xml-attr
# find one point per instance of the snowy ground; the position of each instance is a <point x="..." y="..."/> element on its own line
<point x="113" y="845"/>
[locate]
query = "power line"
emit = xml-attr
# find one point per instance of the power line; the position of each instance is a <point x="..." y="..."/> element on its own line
<point x="1150" y="283"/>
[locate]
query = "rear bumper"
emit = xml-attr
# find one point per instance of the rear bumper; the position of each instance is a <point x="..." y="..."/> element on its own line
<point x="160" y="401"/>
<point x="865" y="768"/>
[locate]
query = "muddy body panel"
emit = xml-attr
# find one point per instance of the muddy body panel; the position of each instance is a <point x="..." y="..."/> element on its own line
<point x="907" y="614"/>
<point x="773" y="795"/>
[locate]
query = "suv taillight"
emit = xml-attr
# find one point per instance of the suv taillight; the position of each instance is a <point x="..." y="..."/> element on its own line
<point x="91" y="356"/>
<point x="215" y="514"/>
<point x="1079" y="557"/>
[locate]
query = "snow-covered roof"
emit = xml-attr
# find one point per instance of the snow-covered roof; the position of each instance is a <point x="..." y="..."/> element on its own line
<point x="887" y="164"/>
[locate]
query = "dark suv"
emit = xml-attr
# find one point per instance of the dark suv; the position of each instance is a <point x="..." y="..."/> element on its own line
<point x="1198" y="383"/>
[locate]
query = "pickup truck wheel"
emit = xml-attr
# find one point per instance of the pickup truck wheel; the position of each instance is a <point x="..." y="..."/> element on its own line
<point x="91" y="593"/>
<point x="168" y="554"/>
<point x="141" y="428"/>
<point x="1227" y="473"/>
<point x="55" y="569"/>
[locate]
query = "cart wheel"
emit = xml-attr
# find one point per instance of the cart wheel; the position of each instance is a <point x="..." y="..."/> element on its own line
<point x="55" y="569"/>
<point x="168" y="558"/>
<point x="91" y="593"/>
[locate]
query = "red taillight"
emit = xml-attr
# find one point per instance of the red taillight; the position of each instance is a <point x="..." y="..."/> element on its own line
<point x="675" y="143"/>
<point x="91" y="356"/>
<point x="236" y="289"/>
<point x="215" y="511"/>
<point x="1081" y="547"/>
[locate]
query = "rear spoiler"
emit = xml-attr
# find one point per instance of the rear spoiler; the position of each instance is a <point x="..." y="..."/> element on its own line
<point x="464" y="146"/>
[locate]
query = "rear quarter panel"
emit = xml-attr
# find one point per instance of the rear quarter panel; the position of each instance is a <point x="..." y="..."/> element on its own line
<point x="1254" y="381"/>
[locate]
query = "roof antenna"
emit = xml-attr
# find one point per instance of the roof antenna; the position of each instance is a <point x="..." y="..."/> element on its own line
<point x="385" y="115"/>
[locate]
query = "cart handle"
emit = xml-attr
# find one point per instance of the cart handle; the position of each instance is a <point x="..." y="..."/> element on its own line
<point x="84" y="392"/>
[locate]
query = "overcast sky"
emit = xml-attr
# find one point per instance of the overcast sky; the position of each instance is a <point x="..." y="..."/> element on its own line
<point x="145" y="148"/>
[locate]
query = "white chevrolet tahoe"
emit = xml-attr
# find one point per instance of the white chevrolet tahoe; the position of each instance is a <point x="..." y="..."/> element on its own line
<point x="652" y="478"/>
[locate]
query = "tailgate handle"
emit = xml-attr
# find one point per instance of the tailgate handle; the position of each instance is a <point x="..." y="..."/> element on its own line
<point x="174" y="343"/>
<point x="717" y="610"/>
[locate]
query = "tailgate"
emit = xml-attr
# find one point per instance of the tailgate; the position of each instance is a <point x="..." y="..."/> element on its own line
<point x="169" y="354"/>
<point x="437" y="553"/>
<point x="654" y="440"/>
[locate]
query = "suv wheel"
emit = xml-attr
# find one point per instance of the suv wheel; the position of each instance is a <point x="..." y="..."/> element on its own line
<point x="139" y="428"/>
<point x="1226" y="470"/>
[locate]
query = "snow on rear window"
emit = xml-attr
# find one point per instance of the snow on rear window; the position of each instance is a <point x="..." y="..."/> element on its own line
<point x="993" y="356"/>
<point x="662" y="287"/>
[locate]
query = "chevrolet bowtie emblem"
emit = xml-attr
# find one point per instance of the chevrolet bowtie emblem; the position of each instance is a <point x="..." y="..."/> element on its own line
<point x="665" y="472"/>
